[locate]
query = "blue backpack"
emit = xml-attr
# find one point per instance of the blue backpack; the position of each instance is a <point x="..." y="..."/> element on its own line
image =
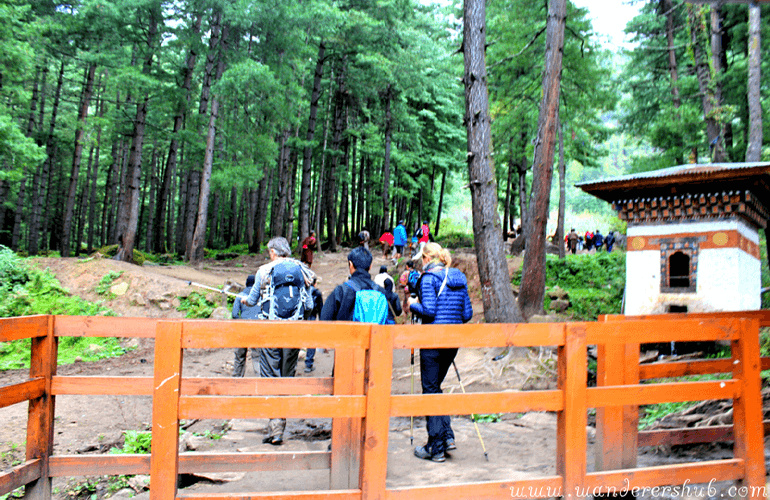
<point x="284" y="297"/>
<point x="371" y="306"/>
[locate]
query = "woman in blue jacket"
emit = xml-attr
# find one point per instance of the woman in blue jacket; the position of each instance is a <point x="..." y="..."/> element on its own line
<point x="442" y="299"/>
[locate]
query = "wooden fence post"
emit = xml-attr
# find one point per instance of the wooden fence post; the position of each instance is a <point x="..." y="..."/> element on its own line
<point x="40" y="417"/>
<point x="748" y="429"/>
<point x="571" y="421"/>
<point x="346" y="432"/>
<point x="164" y="462"/>
<point x="374" y="467"/>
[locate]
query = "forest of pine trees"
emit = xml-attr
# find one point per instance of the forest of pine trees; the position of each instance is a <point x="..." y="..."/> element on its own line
<point x="176" y="126"/>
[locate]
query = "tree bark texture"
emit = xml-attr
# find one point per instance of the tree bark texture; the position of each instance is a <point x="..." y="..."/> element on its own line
<point x="560" y="229"/>
<point x="754" y="149"/>
<point x="497" y="295"/>
<point x="532" y="289"/>
<point x="386" y="165"/>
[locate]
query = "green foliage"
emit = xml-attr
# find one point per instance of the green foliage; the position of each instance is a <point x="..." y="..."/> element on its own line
<point x="595" y="282"/>
<point x="653" y="413"/>
<point x="111" y="250"/>
<point x="103" y="288"/>
<point x="456" y="240"/>
<point x="135" y="442"/>
<point x="196" y="306"/>
<point x="490" y="418"/>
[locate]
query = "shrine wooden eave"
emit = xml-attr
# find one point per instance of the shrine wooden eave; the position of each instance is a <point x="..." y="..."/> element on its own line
<point x="685" y="179"/>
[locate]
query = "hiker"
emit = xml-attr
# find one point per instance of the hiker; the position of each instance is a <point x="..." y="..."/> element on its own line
<point x="281" y="293"/>
<point x="363" y="238"/>
<point x="309" y="245"/>
<point x="442" y="299"/>
<point x="384" y="279"/>
<point x="610" y="241"/>
<point x="399" y="239"/>
<point x="589" y="240"/>
<point x="339" y="306"/>
<point x="572" y="241"/>
<point x="241" y="311"/>
<point x="598" y="240"/>
<point x="408" y="280"/>
<point x="423" y="237"/>
<point x="318" y="303"/>
<point x="387" y="243"/>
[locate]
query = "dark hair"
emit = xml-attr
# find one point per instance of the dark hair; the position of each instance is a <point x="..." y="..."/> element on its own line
<point x="249" y="280"/>
<point x="410" y="263"/>
<point x="361" y="259"/>
<point x="383" y="269"/>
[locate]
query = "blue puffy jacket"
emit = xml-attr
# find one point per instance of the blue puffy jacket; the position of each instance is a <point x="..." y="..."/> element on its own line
<point x="452" y="306"/>
<point x="399" y="235"/>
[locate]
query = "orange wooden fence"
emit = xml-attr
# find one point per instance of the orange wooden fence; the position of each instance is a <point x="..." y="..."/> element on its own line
<point x="360" y="402"/>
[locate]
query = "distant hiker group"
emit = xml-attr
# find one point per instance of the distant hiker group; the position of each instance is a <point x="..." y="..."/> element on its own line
<point x="590" y="241"/>
<point x="284" y="289"/>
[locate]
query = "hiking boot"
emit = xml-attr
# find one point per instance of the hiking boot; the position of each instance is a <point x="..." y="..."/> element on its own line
<point x="309" y="369"/>
<point x="450" y="445"/>
<point x="274" y="440"/>
<point x="422" y="452"/>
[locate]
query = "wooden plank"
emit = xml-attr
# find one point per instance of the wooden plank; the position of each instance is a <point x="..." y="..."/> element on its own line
<point x="24" y="391"/>
<point x="142" y="386"/>
<point x="40" y="416"/>
<point x="23" y="328"/>
<point x="374" y="464"/>
<point x="766" y="361"/>
<point x="683" y="368"/>
<point x="541" y="487"/>
<point x="610" y="370"/>
<point x="477" y="402"/>
<point x="164" y="461"/>
<point x="105" y="326"/>
<point x="762" y="315"/>
<point x="670" y="437"/>
<point x="20" y="475"/>
<point x="633" y="480"/>
<point x="748" y="431"/>
<point x="648" y="394"/>
<point x="654" y="330"/>
<point x="300" y="495"/>
<point x="571" y="422"/>
<point x="631" y="412"/>
<point x="346" y="432"/>
<point x="271" y="406"/>
<point x="189" y="463"/>
<point x="247" y="333"/>
<point x="477" y="335"/>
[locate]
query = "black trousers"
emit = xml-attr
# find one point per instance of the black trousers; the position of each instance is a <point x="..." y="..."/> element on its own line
<point x="434" y="365"/>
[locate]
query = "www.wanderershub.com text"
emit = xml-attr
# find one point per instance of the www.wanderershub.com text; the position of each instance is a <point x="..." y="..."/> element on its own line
<point x="681" y="491"/>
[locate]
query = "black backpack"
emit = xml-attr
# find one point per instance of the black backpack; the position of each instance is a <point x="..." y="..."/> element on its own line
<point x="285" y="295"/>
<point x="418" y="233"/>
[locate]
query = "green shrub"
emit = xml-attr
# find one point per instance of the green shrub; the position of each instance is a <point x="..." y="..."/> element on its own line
<point x="196" y="306"/>
<point x="103" y="288"/>
<point x="135" y="442"/>
<point x="111" y="250"/>
<point x="455" y="240"/>
<point x="595" y="282"/>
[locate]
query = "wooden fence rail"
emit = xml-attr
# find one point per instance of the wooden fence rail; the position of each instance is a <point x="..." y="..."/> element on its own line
<point x="360" y="402"/>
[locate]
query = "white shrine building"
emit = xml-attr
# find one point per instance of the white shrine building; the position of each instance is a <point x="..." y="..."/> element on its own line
<point x="693" y="235"/>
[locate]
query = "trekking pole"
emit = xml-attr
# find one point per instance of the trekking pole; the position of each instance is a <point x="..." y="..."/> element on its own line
<point x="211" y="288"/>
<point x="473" y="416"/>
<point x="411" y="418"/>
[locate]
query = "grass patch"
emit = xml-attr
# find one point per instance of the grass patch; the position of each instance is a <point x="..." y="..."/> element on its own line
<point x="594" y="282"/>
<point x="103" y="288"/>
<point x="26" y="290"/>
<point x="196" y="306"/>
<point x="653" y="413"/>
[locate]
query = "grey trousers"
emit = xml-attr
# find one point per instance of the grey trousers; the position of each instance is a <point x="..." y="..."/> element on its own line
<point x="277" y="362"/>
<point x="239" y="364"/>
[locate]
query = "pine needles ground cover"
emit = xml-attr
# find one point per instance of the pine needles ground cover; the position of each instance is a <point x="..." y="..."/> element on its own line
<point x="25" y="291"/>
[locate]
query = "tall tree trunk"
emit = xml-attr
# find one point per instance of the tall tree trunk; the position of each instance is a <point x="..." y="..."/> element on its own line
<point x="304" y="194"/>
<point x="265" y="186"/>
<point x="181" y="217"/>
<point x="195" y="251"/>
<point x="508" y="191"/>
<point x="532" y="289"/>
<point x="562" y="193"/>
<point x="131" y="209"/>
<point x="82" y="206"/>
<point x="354" y="194"/>
<point x="278" y="214"/>
<point x="331" y="187"/>
<point x="667" y="9"/>
<point x="16" y="233"/>
<point x="440" y="204"/>
<point x="152" y="226"/>
<point x="718" y="66"/>
<point x="754" y="149"/>
<point x="95" y="175"/>
<point x="38" y="204"/>
<point x="705" y="85"/>
<point x="164" y="201"/>
<point x="386" y="165"/>
<point x="110" y="189"/>
<point x="497" y="295"/>
<point x="77" y="156"/>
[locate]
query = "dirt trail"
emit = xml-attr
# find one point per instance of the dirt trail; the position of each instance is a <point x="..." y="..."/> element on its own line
<point x="519" y="446"/>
